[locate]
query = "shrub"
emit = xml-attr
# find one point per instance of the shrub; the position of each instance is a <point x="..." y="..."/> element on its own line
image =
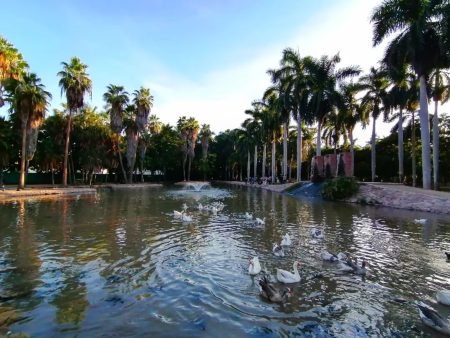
<point x="339" y="188"/>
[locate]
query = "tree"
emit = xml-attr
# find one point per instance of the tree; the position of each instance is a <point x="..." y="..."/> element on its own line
<point x="75" y="83"/>
<point x="132" y="136"/>
<point x="12" y="65"/>
<point x="117" y="99"/>
<point x="29" y="100"/>
<point x="205" y="138"/>
<point x="350" y="113"/>
<point x="188" y="129"/>
<point x="417" y="26"/>
<point x="375" y="99"/>
<point x="323" y="89"/>
<point x="440" y="92"/>
<point x="6" y="137"/>
<point x="404" y="89"/>
<point x="295" y="73"/>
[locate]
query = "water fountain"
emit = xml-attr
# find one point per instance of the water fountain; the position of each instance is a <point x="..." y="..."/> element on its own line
<point x="197" y="186"/>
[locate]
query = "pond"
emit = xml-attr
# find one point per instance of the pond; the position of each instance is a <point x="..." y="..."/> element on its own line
<point x="118" y="264"/>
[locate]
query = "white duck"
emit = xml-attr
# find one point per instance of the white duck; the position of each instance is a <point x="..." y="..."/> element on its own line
<point x="278" y="250"/>
<point x="260" y="221"/>
<point x="286" y="241"/>
<point x="443" y="297"/>
<point x="433" y="319"/>
<point x="317" y="234"/>
<point x="326" y="256"/>
<point x="185" y="207"/>
<point x="287" y="277"/>
<point x="254" y="267"/>
<point x="177" y="214"/>
<point x="248" y="216"/>
<point x="186" y="218"/>
<point x="420" y="221"/>
<point x="200" y="206"/>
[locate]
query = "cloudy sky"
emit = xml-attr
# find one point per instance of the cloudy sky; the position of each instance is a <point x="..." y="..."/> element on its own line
<point x="206" y="59"/>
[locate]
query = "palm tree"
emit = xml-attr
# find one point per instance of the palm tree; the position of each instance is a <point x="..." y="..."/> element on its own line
<point x="75" y="83"/>
<point x="143" y="101"/>
<point x="294" y="72"/>
<point x="205" y="138"/>
<point x="324" y="78"/>
<point x="188" y="129"/>
<point x="29" y="101"/>
<point x="281" y="104"/>
<point x="440" y="91"/>
<point x="350" y="113"/>
<point x="12" y="65"/>
<point x="417" y="25"/>
<point x="132" y="135"/>
<point x="375" y="99"/>
<point x="403" y="90"/>
<point x="117" y="98"/>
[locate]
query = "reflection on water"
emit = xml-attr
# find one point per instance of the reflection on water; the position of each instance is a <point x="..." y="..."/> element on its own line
<point x="118" y="264"/>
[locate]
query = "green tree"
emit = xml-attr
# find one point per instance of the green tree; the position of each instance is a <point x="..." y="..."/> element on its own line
<point x="117" y="99"/>
<point x="417" y="25"/>
<point x="29" y="100"/>
<point x="375" y="99"/>
<point x="75" y="83"/>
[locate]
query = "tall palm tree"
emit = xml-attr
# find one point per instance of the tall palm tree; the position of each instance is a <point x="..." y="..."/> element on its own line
<point x="205" y="138"/>
<point x="350" y="113"/>
<point x="188" y="129"/>
<point x="117" y="99"/>
<point x="132" y="136"/>
<point x="404" y="89"/>
<point x="281" y="104"/>
<point x="417" y="27"/>
<point x="295" y="73"/>
<point x="375" y="99"/>
<point x="29" y="100"/>
<point x="75" y="83"/>
<point x="143" y="101"/>
<point x="440" y="92"/>
<point x="324" y="79"/>
<point x="12" y="65"/>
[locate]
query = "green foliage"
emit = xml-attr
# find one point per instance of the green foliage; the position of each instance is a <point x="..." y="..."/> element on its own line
<point x="339" y="188"/>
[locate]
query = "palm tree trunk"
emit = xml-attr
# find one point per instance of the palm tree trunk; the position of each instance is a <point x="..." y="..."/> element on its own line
<point x="53" y="173"/>
<point x="23" y="158"/>
<point x="373" y="150"/>
<point x="189" y="168"/>
<point x="299" y="147"/>
<point x="255" y="165"/>
<point x="285" y="160"/>
<point x="263" y="171"/>
<point x="352" y="152"/>
<point x="273" y="158"/>
<point x="400" y="147"/>
<point x="425" y="134"/>
<point x="121" y="162"/>
<point x="319" y="131"/>
<point x="184" y="166"/>
<point x="436" y="146"/>
<point x="142" y="169"/>
<point x="248" y="165"/>
<point x="66" y="148"/>
<point x="413" y="150"/>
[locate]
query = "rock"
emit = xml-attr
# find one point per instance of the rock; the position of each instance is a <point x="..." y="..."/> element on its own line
<point x="8" y="316"/>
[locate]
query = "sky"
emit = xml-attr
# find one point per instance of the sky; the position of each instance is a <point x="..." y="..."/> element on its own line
<point x="206" y="59"/>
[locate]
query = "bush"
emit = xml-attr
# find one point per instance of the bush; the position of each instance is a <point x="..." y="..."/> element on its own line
<point x="339" y="188"/>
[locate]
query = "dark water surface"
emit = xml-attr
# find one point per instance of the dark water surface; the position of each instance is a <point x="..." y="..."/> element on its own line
<point x="119" y="265"/>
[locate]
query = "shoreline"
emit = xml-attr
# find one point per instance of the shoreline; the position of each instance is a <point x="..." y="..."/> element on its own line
<point x="44" y="191"/>
<point x="390" y="195"/>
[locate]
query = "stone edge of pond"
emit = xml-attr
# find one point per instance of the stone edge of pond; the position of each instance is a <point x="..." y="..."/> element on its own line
<point x="13" y="194"/>
<point x="399" y="196"/>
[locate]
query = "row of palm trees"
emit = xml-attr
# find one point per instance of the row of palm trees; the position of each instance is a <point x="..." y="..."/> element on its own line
<point x="316" y="91"/>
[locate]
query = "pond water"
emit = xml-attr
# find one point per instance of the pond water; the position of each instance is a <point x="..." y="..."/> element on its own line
<point x="118" y="264"/>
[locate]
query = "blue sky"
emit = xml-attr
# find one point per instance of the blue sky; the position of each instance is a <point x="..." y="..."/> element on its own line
<point x="199" y="58"/>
